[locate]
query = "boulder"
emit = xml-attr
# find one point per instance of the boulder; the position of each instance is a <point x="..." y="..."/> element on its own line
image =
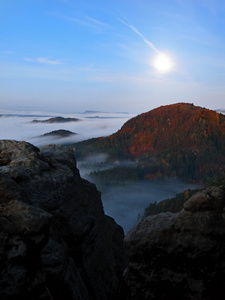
<point x="180" y="255"/>
<point x="79" y="252"/>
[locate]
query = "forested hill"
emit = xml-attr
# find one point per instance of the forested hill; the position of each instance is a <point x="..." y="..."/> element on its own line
<point x="173" y="140"/>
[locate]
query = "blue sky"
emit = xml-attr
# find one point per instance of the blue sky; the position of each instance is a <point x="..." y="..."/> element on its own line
<point x="72" y="56"/>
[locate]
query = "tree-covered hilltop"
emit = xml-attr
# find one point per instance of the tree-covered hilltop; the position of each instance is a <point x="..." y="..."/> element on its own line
<point x="173" y="204"/>
<point x="116" y="176"/>
<point x="57" y="120"/>
<point x="179" y="140"/>
<point x="60" y="133"/>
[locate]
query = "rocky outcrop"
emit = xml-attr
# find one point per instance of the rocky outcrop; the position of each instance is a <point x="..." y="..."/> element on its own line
<point x="55" y="240"/>
<point x="180" y="255"/>
<point x="24" y="232"/>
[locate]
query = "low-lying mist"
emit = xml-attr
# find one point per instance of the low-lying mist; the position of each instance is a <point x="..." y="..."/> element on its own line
<point x="125" y="201"/>
<point x="20" y="126"/>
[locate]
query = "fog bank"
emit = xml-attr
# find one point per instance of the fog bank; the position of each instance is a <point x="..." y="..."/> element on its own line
<point x="19" y="126"/>
<point x="126" y="203"/>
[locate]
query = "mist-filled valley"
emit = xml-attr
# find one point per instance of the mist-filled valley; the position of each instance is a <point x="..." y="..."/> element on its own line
<point x="124" y="200"/>
<point x="23" y="126"/>
<point x="124" y="195"/>
<point x="133" y="160"/>
<point x="126" y="203"/>
<point x="127" y="200"/>
<point x="112" y="150"/>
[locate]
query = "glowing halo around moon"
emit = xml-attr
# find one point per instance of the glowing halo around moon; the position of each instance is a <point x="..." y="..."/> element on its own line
<point x="162" y="63"/>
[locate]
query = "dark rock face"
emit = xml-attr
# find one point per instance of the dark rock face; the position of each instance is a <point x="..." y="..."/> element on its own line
<point x="24" y="232"/>
<point x="180" y="255"/>
<point x="55" y="240"/>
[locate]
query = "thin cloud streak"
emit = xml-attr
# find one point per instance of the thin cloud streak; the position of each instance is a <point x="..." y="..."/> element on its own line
<point x="85" y="21"/>
<point x="43" y="60"/>
<point x="125" y="78"/>
<point x="97" y="22"/>
<point x="64" y="72"/>
<point x="152" y="46"/>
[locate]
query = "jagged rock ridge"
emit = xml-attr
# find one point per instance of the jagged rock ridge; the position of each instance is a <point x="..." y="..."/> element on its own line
<point x="55" y="241"/>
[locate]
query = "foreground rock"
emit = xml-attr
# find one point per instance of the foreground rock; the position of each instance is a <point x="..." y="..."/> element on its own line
<point x="24" y="232"/>
<point x="180" y="255"/>
<point x="55" y="241"/>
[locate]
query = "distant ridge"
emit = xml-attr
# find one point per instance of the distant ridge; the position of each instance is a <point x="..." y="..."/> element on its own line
<point x="57" y="120"/>
<point x="93" y="112"/>
<point x="174" y="140"/>
<point x="60" y="133"/>
<point x="104" y="112"/>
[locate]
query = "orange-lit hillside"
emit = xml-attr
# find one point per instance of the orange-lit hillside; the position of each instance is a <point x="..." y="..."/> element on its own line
<point x="168" y="126"/>
<point x="179" y="139"/>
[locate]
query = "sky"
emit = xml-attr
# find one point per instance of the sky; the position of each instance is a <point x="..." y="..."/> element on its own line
<point x="117" y="56"/>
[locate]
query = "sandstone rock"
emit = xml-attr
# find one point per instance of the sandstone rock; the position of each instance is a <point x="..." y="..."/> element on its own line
<point x="84" y="257"/>
<point x="24" y="232"/>
<point x="180" y="255"/>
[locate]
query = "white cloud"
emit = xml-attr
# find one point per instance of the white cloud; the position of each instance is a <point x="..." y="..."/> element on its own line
<point x="43" y="60"/>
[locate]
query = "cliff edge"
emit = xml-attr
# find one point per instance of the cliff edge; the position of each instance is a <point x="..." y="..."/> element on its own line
<point x="55" y="240"/>
<point x="180" y="255"/>
<point x="57" y="243"/>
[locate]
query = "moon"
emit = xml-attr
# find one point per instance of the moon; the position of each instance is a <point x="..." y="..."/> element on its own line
<point x="162" y="63"/>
